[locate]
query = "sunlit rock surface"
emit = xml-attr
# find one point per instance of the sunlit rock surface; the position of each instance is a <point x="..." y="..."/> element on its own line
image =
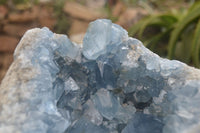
<point x="109" y="84"/>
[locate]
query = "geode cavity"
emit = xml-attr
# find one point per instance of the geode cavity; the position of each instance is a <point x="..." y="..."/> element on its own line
<point x="110" y="84"/>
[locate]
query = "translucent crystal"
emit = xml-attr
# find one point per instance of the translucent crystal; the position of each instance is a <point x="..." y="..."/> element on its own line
<point x="92" y="113"/>
<point x="142" y="123"/>
<point x="111" y="84"/>
<point x="85" y="126"/>
<point x="106" y="103"/>
<point x="101" y="36"/>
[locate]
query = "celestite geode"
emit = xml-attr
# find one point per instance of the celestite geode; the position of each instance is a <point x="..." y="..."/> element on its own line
<point x="110" y="84"/>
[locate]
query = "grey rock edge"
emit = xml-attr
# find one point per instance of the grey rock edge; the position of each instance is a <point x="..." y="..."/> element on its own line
<point x="110" y="84"/>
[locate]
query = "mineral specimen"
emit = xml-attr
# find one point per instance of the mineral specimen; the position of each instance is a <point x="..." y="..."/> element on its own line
<point x="110" y="84"/>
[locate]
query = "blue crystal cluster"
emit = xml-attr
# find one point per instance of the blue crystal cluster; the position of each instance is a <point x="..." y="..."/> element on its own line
<point x="109" y="84"/>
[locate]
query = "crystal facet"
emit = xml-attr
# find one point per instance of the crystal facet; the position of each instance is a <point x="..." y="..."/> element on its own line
<point x="110" y="84"/>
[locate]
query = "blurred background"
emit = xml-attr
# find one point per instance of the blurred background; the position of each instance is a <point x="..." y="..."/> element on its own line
<point x="170" y="28"/>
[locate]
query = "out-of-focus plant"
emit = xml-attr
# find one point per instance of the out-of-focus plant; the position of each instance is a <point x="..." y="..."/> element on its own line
<point x="14" y="1"/>
<point x="108" y="9"/>
<point x="63" y="23"/>
<point x="2" y="2"/>
<point x="175" y="34"/>
<point x="19" y="4"/>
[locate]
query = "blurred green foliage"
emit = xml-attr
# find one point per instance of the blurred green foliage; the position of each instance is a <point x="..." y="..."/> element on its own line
<point x="15" y="2"/>
<point x="20" y="1"/>
<point x="108" y="10"/>
<point x="15" y="5"/>
<point x="2" y="2"/>
<point x="63" y="23"/>
<point x="175" y="33"/>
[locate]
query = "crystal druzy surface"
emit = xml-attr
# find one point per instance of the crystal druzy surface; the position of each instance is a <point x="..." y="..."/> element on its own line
<point x="109" y="84"/>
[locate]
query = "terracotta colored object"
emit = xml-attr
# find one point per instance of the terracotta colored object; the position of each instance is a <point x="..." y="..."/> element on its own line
<point x="5" y="61"/>
<point x="3" y="12"/>
<point x="78" y="26"/>
<point x="7" y="43"/>
<point x="118" y="9"/>
<point x="131" y="16"/>
<point x="79" y="11"/>
<point x="18" y="29"/>
<point x="46" y="18"/>
<point x="22" y="17"/>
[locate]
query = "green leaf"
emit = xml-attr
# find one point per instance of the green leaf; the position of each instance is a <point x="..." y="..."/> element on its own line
<point x="135" y="28"/>
<point x="169" y="18"/>
<point x="152" y="42"/>
<point x="181" y="25"/>
<point x="194" y="5"/>
<point x="165" y="20"/>
<point x="196" y="45"/>
<point x="183" y="48"/>
<point x="147" y="22"/>
<point x="158" y="20"/>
